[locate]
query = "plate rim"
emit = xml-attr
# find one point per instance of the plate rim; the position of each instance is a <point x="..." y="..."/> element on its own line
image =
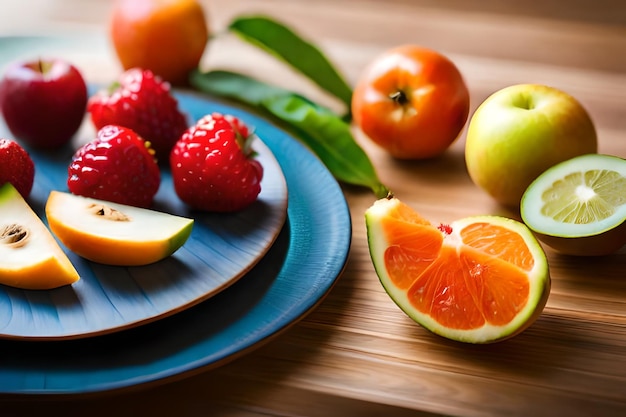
<point x="331" y="218"/>
<point x="277" y="198"/>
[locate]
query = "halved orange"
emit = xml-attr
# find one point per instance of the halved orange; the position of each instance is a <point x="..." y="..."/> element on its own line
<point x="479" y="279"/>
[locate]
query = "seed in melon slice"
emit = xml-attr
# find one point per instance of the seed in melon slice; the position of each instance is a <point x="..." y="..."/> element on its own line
<point x="578" y="207"/>
<point x="30" y="257"/>
<point x="115" y="234"/>
<point x="479" y="279"/>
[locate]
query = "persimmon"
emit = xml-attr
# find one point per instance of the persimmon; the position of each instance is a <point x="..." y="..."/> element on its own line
<point x="411" y="101"/>
<point x="168" y="37"/>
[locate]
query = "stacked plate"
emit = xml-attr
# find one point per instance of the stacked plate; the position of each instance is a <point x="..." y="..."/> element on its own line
<point x="239" y="279"/>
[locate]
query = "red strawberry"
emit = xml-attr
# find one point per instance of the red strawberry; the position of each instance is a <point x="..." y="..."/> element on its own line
<point x="240" y="128"/>
<point x="117" y="166"/>
<point x="213" y="165"/>
<point x="16" y="167"/>
<point x="142" y="102"/>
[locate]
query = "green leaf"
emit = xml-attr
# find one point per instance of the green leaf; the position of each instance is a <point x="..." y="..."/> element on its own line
<point x="284" y="43"/>
<point x="330" y="138"/>
<point x="237" y="87"/>
<point x="324" y="132"/>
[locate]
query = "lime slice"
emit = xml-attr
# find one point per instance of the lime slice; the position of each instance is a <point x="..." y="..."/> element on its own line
<point x="578" y="207"/>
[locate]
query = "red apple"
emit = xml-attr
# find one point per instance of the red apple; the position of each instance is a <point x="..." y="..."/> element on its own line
<point x="43" y="102"/>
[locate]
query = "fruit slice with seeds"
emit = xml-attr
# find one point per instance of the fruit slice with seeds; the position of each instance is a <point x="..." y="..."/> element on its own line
<point x="115" y="234"/>
<point x="578" y="207"/>
<point x="477" y="280"/>
<point x="30" y="257"/>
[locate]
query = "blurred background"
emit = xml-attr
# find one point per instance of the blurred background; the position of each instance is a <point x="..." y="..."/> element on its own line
<point x="578" y="28"/>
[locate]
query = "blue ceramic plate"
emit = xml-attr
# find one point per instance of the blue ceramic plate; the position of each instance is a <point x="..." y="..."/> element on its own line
<point x="220" y="250"/>
<point x="296" y="273"/>
<point x="291" y="279"/>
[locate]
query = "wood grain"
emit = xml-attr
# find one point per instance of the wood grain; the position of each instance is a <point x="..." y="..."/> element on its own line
<point x="357" y="354"/>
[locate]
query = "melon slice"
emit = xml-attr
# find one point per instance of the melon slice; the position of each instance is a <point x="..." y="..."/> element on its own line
<point x="30" y="257"/>
<point x="115" y="234"/>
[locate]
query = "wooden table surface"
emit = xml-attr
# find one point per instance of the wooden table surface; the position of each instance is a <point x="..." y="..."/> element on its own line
<point x="357" y="354"/>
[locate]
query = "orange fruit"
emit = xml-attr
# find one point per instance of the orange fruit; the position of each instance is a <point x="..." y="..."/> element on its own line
<point x="479" y="279"/>
<point x="167" y="37"/>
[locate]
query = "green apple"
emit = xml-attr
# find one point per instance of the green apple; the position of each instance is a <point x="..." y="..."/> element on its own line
<point x="30" y="257"/>
<point x="115" y="234"/>
<point x="519" y="132"/>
